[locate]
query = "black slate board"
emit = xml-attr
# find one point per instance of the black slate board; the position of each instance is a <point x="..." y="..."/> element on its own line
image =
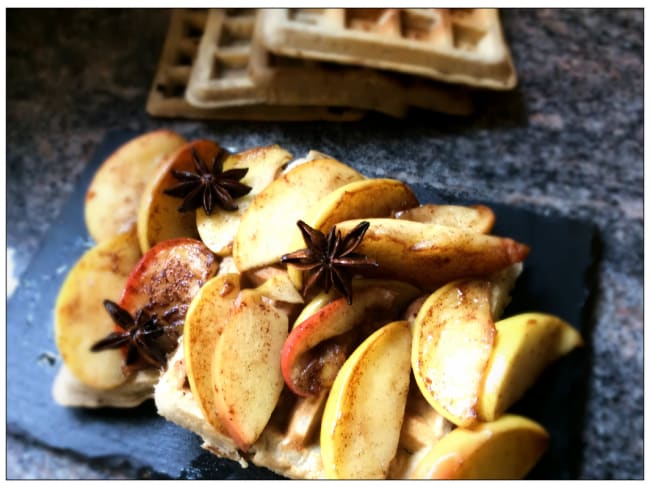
<point x="556" y="280"/>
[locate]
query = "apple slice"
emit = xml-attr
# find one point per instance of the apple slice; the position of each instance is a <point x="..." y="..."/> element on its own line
<point x="507" y="448"/>
<point x="165" y="281"/>
<point x="316" y="303"/>
<point x="79" y="316"/>
<point x="303" y="426"/>
<point x="503" y="282"/>
<point x="430" y="255"/>
<point x="218" y="230"/>
<point x="475" y="218"/>
<point x="113" y="197"/>
<point x="525" y="345"/>
<point x="280" y="289"/>
<point x="158" y="215"/>
<point x="423" y="426"/>
<point x="453" y="337"/>
<point x="204" y="322"/>
<point x="264" y="233"/>
<point x="256" y="277"/>
<point x="316" y="348"/>
<point x="377" y="197"/>
<point x="322" y="298"/>
<point x="246" y="367"/>
<point x="363" y="415"/>
<point x="310" y="156"/>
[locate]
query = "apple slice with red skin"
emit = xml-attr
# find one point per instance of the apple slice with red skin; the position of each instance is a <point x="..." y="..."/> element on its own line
<point x="317" y="347"/>
<point x="165" y="281"/>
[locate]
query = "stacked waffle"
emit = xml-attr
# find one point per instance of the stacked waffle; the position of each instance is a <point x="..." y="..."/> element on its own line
<point x="327" y="64"/>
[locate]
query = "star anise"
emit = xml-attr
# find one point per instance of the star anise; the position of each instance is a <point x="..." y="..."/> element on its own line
<point x="209" y="187"/>
<point x="328" y="260"/>
<point x="141" y="336"/>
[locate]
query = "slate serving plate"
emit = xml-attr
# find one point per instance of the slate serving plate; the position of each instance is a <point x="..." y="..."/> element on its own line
<point x="557" y="279"/>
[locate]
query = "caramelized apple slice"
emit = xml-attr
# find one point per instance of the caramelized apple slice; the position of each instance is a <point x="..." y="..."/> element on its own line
<point x="430" y="255"/>
<point x="507" y="448"/>
<point x="246" y="367"/>
<point x="453" y="337"/>
<point x="475" y="218"/>
<point x="316" y="348"/>
<point x="165" y="281"/>
<point x="158" y="215"/>
<point x="363" y="415"/>
<point x="218" y="229"/>
<point x="264" y="233"/>
<point x="280" y="289"/>
<point x="113" y="197"/>
<point x="525" y="345"/>
<point x="204" y="322"/>
<point x="79" y="316"/>
<point x="378" y="197"/>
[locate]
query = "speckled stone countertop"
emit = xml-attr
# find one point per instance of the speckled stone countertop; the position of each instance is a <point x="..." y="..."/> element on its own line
<point x="568" y="141"/>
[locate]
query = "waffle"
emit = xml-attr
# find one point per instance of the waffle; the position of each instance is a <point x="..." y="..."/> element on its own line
<point x="233" y="68"/>
<point x="463" y="46"/>
<point x="67" y="390"/>
<point x="289" y="445"/>
<point x="167" y="94"/>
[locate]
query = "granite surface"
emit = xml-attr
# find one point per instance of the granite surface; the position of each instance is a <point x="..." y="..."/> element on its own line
<point x="568" y="141"/>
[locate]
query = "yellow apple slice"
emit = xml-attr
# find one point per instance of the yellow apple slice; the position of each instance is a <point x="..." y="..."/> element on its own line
<point x="378" y="197"/>
<point x="266" y="228"/>
<point x="316" y="303"/>
<point x="453" y="337"/>
<point x="280" y="288"/>
<point x="430" y="255"/>
<point x="113" y="197"/>
<point x="363" y="415"/>
<point x="475" y="218"/>
<point x="218" y="229"/>
<point x="256" y="277"/>
<point x="525" y="345"/>
<point x="310" y="156"/>
<point x="79" y="316"/>
<point x="506" y="448"/>
<point x="246" y="367"/>
<point x="503" y="282"/>
<point x="158" y="215"/>
<point x="204" y="322"/>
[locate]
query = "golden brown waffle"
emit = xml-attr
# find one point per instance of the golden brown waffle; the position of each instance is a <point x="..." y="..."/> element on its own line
<point x="233" y="68"/>
<point x="167" y="95"/>
<point x="453" y="45"/>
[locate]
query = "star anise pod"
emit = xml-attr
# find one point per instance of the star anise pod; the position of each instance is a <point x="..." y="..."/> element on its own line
<point x="208" y="187"/>
<point x="328" y="260"/>
<point x="141" y="335"/>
